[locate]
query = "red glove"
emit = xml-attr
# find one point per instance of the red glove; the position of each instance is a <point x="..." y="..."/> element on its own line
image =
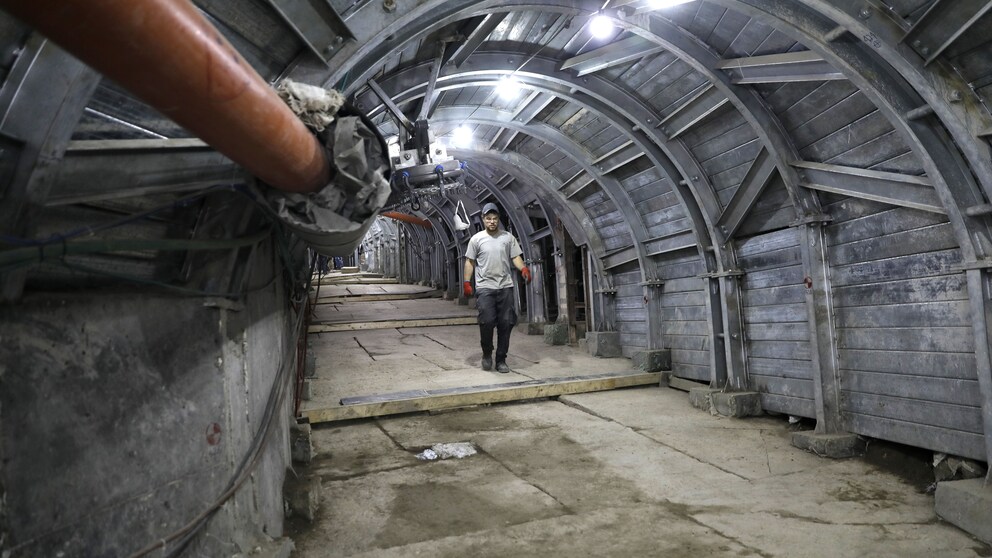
<point x="525" y="271"/>
<point x="467" y="288"/>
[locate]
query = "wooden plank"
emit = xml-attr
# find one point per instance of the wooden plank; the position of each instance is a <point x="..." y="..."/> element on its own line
<point x="432" y="400"/>
<point x="915" y="388"/>
<point x="932" y="364"/>
<point x="384" y="297"/>
<point x="784" y="404"/>
<point x="956" y="417"/>
<point x="359" y="281"/>
<point x="932" y="314"/>
<point x="789" y="387"/>
<point x="925" y="339"/>
<point x="390" y="324"/>
<point x="683" y="384"/>
<point x="954" y="442"/>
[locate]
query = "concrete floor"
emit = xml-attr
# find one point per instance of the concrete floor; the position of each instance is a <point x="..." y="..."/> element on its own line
<point x="635" y="472"/>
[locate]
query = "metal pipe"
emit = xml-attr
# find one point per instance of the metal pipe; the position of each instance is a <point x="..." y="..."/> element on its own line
<point x="406" y="218"/>
<point x="166" y="53"/>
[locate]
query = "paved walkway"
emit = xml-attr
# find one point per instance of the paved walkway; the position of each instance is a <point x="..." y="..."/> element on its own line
<point x="634" y="472"/>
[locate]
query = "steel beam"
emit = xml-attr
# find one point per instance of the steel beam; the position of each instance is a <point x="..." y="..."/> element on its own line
<point x="475" y="37"/>
<point x="693" y="111"/>
<point x="316" y="23"/>
<point x="113" y="169"/>
<point x="394" y="109"/>
<point x="613" y="54"/>
<point x="980" y="299"/>
<point x="758" y="176"/>
<point x="779" y="68"/>
<point x="823" y="340"/>
<point x="887" y="187"/>
<point x="943" y="24"/>
<point x="427" y="103"/>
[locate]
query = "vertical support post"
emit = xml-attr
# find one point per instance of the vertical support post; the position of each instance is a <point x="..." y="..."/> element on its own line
<point x="980" y="299"/>
<point x="823" y="341"/>
<point x="535" y="300"/>
<point x="568" y="257"/>
<point x="718" y="351"/>
<point x="733" y="333"/>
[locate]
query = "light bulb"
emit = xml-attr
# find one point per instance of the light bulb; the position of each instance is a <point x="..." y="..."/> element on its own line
<point x="461" y="136"/>
<point x="508" y="88"/>
<point x="601" y="27"/>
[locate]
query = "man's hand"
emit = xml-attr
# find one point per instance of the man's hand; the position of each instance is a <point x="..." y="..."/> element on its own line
<point x="467" y="288"/>
<point x="525" y="271"/>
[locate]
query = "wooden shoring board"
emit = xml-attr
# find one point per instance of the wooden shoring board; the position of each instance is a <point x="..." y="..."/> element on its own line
<point x="450" y="398"/>
<point x="384" y="297"/>
<point x="390" y="324"/>
<point x="358" y="281"/>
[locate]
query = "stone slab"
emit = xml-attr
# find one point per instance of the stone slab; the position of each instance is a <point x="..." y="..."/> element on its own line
<point x="967" y="504"/>
<point x="536" y="328"/>
<point x="737" y="404"/>
<point x="301" y="443"/>
<point x="556" y="334"/>
<point x="701" y="398"/>
<point x="604" y="344"/>
<point x="837" y="446"/>
<point x="654" y="360"/>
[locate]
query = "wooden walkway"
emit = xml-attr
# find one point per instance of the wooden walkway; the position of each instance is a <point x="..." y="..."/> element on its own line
<point x="385" y="349"/>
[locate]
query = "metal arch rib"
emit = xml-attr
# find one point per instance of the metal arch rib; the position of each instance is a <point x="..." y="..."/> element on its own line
<point x="895" y="95"/>
<point x="437" y="13"/>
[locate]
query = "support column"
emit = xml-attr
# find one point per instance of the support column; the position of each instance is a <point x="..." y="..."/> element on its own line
<point x="980" y="298"/>
<point x="830" y="438"/>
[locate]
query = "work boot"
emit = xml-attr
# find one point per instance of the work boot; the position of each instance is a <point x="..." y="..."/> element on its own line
<point x="487" y="362"/>
<point x="502" y="368"/>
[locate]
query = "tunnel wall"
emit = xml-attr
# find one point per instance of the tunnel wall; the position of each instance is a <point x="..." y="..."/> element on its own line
<point x="126" y="413"/>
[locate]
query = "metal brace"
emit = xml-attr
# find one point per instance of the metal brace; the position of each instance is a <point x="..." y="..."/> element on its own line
<point x="816" y="219"/>
<point x="657" y="283"/>
<point x="606" y="291"/>
<point x="977" y="264"/>
<point x="719" y="274"/>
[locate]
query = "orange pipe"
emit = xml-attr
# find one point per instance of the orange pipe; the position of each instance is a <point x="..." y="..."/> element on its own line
<point x="407" y="218"/>
<point x="166" y="53"/>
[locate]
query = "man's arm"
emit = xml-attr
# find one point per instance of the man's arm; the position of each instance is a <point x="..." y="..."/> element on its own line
<point x="467" y="274"/>
<point x="518" y="263"/>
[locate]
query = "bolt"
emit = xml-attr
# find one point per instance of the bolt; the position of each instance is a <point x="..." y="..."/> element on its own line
<point x="917" y="43"/>
<point x="865" y="13"/>
<point x="406" y="156"/>
<point x="389" y="5"/>
<point x="955" y="96"/>
<point x="328" y="49"/>
<point x="437" y="151"/>
<point x="925" y="51"/>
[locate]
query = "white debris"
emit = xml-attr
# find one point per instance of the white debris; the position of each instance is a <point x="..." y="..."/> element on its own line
<point x="314" y="105"/>
<point x="457" y="450"/>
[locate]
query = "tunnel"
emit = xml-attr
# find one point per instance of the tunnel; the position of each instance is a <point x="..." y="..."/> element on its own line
<point x="770" y="210"/>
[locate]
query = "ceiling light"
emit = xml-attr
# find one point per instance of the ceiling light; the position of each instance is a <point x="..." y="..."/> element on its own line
<point x="508" y="88"/>
<point x="461" y="136"/>
<point x="601" y="27"/>
<point x="662" y="4"/>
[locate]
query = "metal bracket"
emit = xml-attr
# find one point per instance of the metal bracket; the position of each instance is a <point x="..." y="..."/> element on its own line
<point x="719" y="274"/>
<point x="977" y="264"/>
<point x="657" y="283"/>
<point x="607" y="291"/>
<point x="816" y="219"/>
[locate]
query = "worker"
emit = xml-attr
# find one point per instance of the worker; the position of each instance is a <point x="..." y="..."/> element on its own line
<point x="489" y="253"/>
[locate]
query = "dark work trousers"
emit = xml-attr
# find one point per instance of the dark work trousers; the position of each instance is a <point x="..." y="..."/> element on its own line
<point x="496" y="311"/>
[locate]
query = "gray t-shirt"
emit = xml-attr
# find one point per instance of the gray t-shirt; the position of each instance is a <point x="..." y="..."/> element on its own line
<point x="493" y="257"/>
